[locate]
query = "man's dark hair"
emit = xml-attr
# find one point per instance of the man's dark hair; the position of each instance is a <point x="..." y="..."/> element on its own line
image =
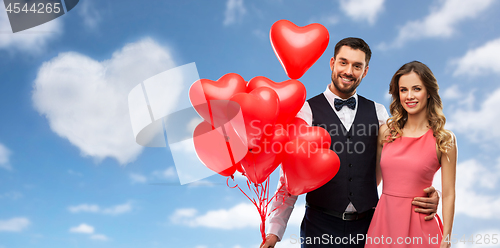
<point x="354" y="43"/>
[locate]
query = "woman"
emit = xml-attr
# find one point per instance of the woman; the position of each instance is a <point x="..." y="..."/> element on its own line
<point x="412" y="147"/>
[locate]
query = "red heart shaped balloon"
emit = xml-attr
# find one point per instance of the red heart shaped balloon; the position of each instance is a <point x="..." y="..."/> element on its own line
<point x="317" y="136"/>
<point x="218" y="153"/>
<point x="260" y="109"/>
<point x="298" y="48"/>
<point x="307" y="168"/>
<point x="261" y="161"/>
<point x="292" y="95"/>
<point x="239" y="168"/>
<point x="204" y="91"/>
<point x="293" y="128"/>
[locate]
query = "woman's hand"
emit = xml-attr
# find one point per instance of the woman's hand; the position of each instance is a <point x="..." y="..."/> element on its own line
<point x="445" y="244"/>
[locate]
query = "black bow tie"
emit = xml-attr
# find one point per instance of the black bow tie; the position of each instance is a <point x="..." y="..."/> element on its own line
<point x="350" y="103"/>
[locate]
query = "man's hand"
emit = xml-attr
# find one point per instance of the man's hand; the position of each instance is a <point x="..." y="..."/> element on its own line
<point x="427" y="205"/>
<point x="270" y="242"/>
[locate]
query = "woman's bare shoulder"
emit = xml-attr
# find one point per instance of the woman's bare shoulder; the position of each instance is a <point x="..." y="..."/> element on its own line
<point x="383" y="130"/>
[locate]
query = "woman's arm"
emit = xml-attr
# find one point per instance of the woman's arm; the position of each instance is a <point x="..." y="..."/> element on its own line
<point x="382" y="134"/>
<point x="448" y="175"/>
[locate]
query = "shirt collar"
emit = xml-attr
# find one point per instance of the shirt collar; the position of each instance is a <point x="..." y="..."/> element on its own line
<point x="331" y="96"/>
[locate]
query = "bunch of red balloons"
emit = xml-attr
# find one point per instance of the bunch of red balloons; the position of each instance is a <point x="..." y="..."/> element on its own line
<point x="251" y="126"/>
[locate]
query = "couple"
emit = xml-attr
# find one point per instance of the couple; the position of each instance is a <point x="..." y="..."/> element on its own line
<point x="405" y="150"/>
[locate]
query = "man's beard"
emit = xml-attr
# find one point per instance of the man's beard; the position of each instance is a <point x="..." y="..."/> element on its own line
<point x="338" y="85"/>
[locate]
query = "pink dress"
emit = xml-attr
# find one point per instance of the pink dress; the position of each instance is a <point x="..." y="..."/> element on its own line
<point x="408" y="166"/>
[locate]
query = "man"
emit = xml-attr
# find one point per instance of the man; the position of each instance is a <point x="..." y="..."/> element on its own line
<point x="342" y="208"/>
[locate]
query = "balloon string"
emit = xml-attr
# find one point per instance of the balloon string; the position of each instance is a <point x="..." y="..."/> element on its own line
<point x="228" y="145"/>
<point x="260" y="203"/>
<point x="261" y="200"/>
<point x="251" y="199"/>
<point x="264" y="203"/>
<point x="209" y="111"/>
<point x="280" y="191"/>
<point x="227" y="182"/>
<point x="254" y="162"/>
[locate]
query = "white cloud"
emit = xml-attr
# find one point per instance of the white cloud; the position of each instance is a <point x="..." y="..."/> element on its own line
<point x="298" y="213"/>
<point x="242" y="246"/>
<point x="183" y="213"/>
<point x="168" y="173"/>
<point x="137" y="178"/>
<point x="14" y="225"/>
<point x="452" y="93"/>
<point x="474" y="182"/>
<point x="75" y="173"/>
<point x="260" y="34"/>
<point x="89" y="13"/>
<point x="84" y="208"/>
<point x="82" y="228"/>
<point x="479" y="61"/>
<point x="14" y="195"/>
<point x="201" y="183"/>
<point x="32" y="40"/>
<point x="292" y="242"/>
<point x="93" y="208"/>
<point x="240" y="216"/>
<point x="477" y="124"/>
<point x="118" y="209"/>
<point x="482" y="238"/>
<point x="436" y="183"/>
<point x="388" y="97"/>
<point x="85" y="101"/>
<point x="186" y="146"/>
<point x="88" y="229"/>
<point x="234" y="12"/>
<point x="441" y="21"/>
<point x="326" y="20"/>
<point x="4" y="157"/>
<point x="362" y="10"/>
<point x="101" y="237"/>
<point x="193" y="123"/>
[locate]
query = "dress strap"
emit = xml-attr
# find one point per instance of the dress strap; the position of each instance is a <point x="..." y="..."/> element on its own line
<point x="440" y="223"/>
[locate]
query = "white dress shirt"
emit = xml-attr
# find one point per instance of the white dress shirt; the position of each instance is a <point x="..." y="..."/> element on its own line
<point x="279" y="218"/>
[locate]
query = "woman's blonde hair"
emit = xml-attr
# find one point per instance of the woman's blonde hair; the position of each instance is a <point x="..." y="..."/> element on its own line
<point x="444" y="138"/>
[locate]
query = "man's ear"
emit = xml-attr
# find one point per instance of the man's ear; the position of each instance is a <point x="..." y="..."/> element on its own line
<point x="366" y="71"/>
<point x="332" y="61"/>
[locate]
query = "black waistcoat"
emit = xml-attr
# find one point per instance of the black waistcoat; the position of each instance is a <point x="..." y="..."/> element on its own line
<point x="357" y="149"/>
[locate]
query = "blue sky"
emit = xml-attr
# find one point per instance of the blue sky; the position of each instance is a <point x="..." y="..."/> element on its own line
<point x="71" y="174"/>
